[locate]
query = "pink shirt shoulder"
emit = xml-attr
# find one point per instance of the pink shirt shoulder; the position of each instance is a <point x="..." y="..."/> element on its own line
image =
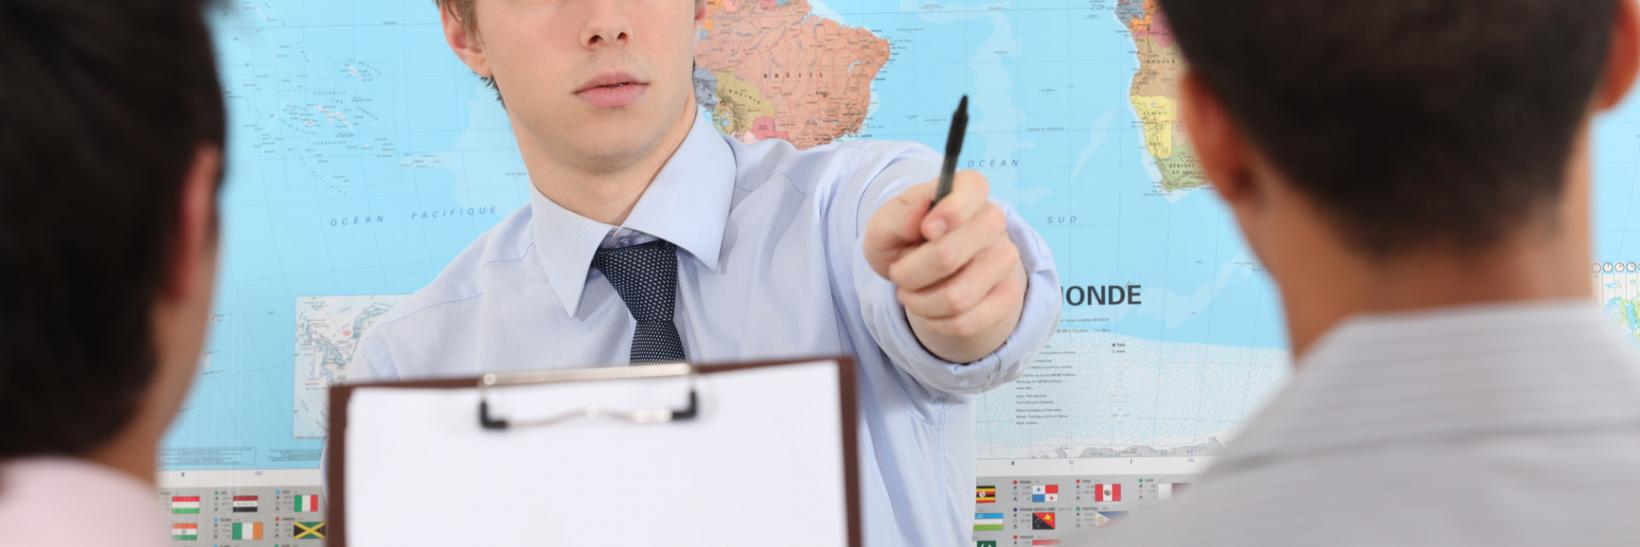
<point x="70" y="502"/>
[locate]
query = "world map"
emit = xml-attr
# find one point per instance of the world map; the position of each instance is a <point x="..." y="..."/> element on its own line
<point x="363" y="157"/>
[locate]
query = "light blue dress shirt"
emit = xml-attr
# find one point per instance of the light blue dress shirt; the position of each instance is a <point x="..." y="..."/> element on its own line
<point x="770" y="266"/>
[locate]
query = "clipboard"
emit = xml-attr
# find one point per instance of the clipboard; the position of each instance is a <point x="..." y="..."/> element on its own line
<point x="496" y="412"/>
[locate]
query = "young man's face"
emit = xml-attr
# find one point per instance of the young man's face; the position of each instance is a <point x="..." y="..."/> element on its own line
<point x="594" y="82"/>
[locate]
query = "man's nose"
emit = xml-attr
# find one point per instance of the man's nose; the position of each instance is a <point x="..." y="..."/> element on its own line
<point x="606" y="25"/>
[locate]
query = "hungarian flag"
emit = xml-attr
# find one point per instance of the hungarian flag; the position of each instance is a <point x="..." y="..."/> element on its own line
<point x="985" y="494"/>
<point x="1042" y="521"/>
<point x="185" y="505"/>
<point x="245" y="504"/>
<point x="308" y="530"/>
<point x="307" y="503"/>
<point x="1045" y="493"/>
<point x="988" y="522"/>
<point x="1107" y="492"/>
<point x="187" y="531"/>
<point x="247" y="530"/>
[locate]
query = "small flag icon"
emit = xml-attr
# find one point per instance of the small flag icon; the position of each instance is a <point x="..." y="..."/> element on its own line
<point x="1042" y="521"/>
<point x="184" y="531"/>
<point x="245" y="504"/>
<point x="1044" y="542"/>
<point x="988" y="522"/>
<point x="308" y="530"/>
<point x="307" y="503"/>
<point x="986" y="543"/>
<point x="1167" y="491"/>
<point x="1045" y="493"/>
<point x="1100" y="520"/>
<point x="1107" y="492"/>
<point x="247" y="530"/>
<point x="185" y="505"/>
<point x="985" y="494"/>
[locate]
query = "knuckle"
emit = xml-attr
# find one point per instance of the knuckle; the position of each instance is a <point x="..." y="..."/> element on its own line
<point x="955" y="299"/>
<point x="947" y="258"/>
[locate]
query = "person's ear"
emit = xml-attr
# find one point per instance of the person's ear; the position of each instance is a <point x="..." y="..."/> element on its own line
<point x="195" y="238"/>
<point x="464" y="41"/>
<point x="1623" y="59"/>
<point x="1219" y="147"/>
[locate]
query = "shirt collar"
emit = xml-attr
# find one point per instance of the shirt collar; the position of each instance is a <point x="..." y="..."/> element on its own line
<point x="687" y="204"/>
<point x="1421" y="377"/>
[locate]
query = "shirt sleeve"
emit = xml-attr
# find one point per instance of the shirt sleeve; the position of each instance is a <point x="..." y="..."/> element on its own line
<point x="886" y="170"/>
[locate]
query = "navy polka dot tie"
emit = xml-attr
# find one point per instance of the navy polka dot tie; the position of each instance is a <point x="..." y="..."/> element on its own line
<point x="646" y="277"/>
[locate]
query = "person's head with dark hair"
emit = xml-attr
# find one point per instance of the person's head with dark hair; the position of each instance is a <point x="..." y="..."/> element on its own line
<point x="111" y="132"/>
<point x="1401" y="154"/>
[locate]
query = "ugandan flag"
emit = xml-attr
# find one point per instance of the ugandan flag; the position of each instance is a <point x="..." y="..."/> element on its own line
<point x="985" y="494"/>
<point x="308" y="530"/>
<point x="1042" y="521"/>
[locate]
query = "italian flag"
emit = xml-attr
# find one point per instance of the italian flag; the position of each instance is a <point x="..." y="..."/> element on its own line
<point x="185" y="505"/>
<point x="184" y="531"/>
<point x="307" y="503"/>
<point x="247" y="530"/>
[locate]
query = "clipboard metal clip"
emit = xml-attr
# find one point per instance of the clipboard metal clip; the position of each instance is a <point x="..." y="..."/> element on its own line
<point x="497" y="423"/>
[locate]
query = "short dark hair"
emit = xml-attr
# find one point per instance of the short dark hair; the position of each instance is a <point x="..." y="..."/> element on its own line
<point x="103" y="107"/>
<point x="1411" y="121"/>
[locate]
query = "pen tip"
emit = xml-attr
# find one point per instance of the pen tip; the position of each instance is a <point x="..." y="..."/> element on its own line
<point x="962" y="107"/>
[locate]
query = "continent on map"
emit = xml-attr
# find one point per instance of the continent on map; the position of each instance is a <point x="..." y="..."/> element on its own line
<point x="782" y="72"/>
<point x="1155" y="95"/>
<point x="328" y="331"/>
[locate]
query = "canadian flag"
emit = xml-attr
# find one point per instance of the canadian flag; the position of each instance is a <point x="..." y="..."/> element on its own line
<point x="1107" y="492"/>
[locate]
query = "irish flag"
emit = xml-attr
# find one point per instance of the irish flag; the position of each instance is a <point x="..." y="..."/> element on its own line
<point x="247" y="530"/>
<point x="185" y="505"/>
<point x="184" y="531"/>
<point x="307" y="503"/>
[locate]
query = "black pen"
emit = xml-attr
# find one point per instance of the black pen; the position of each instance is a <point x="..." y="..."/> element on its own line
<point x="953" y="148"/>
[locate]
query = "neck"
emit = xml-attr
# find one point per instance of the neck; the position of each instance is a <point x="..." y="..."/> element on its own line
<point x="1545" y="260"/>
<point x="603" y="189"/>
<point x="132" y="453"/>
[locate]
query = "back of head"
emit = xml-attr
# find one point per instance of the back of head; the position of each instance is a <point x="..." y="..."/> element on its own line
<point x="1409" y="121"/>
<point x="103" y="106"/>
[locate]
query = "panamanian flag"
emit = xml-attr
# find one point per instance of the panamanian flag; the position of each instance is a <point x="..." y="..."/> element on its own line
<point x="1045" y="493"/>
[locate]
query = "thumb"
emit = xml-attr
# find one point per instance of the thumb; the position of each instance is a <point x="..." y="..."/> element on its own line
<point x="896" y="227"/>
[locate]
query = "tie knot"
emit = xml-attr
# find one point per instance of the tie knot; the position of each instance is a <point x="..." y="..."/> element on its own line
<point x="646" y="277"/>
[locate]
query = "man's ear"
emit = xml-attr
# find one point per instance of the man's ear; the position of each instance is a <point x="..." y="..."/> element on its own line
<point x="1623" y="61"/>
<point x="1219" y="147"/>
<point x="464" y="41"/>
<point x="195" y="238"/>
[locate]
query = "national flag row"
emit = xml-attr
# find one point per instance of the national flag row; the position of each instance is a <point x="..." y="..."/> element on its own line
<point x="189" y="505"/>
<point x="189" y="531"/>
<point x="1040" y="520"/>
<point x="1049" y="493"/>
<point x="993" y="543"/>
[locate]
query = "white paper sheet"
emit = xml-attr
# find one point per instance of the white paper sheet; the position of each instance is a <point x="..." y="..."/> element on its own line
<point x="761" y="465"/>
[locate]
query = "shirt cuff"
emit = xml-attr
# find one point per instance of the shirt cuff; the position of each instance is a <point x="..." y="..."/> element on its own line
<point x="886" y="318"/>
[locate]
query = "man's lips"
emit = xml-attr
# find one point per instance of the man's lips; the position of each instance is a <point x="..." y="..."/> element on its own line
<point x="612" y="90"/>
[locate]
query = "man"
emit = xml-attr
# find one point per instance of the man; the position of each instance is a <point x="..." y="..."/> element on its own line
<point x="650" y="237"/>
<point x="1415" y="176"/>
<point x="111" y="131"/>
